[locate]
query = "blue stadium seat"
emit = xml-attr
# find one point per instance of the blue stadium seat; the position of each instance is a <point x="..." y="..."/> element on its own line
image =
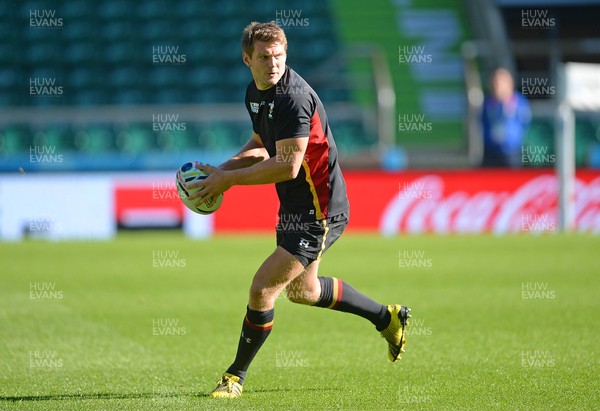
<point x="165" y="77"/>
<point x="89" y="97"/>
<point x="78" y="10"/>
<point x="85" y="78"/>
<point x="159" y="31"/>
<point x="172" y="95"/>
<point x="130" y="97"/>
<point x="103" y="54"/>
<point x="118" y="30"/>
<point x="189" y="9"/>
<point x="194" y="30"/>
<point x="80" y="53"/>
<point x="43" y="53"/>
<point x="124" y="52"/>
<point x="96" y="139"/>
<point x="209" y="95"/>
<point x="57" y="137"/>
<point x="199" y="51"/>
<point x="8" y="77"/>
<point x="203" y="76"/>
<point x="7" y="30"/>
<point x="154" y="10"/>
<point x="178" y="141"/>
<point x="15" y="139"/>
<point x="80" y="30"/>
<point x="136" y="139"/>
<point x="123" y="78"/>
<point x="116" y="9"/>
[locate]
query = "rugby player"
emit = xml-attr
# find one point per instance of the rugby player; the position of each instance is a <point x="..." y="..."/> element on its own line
<point x="292" y="146"/>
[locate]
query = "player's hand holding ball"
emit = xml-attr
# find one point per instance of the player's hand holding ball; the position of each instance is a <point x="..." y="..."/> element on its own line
<point x="190" y="182"/>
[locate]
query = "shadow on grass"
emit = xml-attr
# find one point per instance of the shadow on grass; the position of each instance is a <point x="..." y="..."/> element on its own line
<point x="144" y="395"/>
<point x="96" y="396"/>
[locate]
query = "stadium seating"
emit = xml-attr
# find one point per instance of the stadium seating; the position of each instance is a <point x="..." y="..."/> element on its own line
<point x="103" y="54"/>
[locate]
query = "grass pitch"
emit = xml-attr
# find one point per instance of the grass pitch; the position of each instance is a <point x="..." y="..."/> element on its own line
<point x="151" y="320"/>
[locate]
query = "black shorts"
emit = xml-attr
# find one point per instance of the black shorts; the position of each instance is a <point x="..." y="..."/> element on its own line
<point x="307" y="241"/>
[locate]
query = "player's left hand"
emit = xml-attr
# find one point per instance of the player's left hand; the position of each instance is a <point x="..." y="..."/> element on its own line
<point x="213" y="185"/>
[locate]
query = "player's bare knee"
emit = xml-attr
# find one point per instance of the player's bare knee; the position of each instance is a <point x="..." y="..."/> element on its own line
<point x="295" y="296"/>
<point x="302" y="296"/>
<point x="260" y="295"/>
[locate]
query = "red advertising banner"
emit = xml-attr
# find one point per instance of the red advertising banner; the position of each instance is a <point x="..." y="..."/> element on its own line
<point x="143" y="204"/>
<point x="463" y="201"/>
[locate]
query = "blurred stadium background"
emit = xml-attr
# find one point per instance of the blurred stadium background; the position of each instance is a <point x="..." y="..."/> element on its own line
<point x="137" y="88"/>
<point x="102" y="100"/>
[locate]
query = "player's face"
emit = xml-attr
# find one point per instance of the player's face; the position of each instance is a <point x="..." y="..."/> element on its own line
<point x="267" y="63"/>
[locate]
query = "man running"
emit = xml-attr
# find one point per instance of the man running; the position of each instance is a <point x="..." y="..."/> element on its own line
<point x="293" y="147"/>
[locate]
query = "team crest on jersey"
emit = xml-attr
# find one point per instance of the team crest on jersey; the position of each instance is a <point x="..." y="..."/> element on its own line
<point x="271" y="106"/>
<point x="254" y="107"/>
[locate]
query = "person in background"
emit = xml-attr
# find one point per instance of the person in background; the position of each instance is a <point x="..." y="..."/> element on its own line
<point x="505" y="118"/>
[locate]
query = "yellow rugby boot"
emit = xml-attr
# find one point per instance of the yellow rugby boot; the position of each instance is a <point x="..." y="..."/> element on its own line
<point x="395" y="333"/>
<point x="228" y="387"/>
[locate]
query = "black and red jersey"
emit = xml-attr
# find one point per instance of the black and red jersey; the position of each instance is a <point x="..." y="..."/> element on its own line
<point x="292" y="109"/>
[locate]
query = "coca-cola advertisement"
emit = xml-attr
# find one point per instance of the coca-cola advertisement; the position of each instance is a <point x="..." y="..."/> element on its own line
<point x="463" y="201"/>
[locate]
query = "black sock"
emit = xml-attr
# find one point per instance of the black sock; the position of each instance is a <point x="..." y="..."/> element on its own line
<point x="255" y="330"/>
<point x="340" y="296"/>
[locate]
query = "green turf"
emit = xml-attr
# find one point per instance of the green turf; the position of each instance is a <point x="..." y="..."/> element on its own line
<point x="476" y="343"/>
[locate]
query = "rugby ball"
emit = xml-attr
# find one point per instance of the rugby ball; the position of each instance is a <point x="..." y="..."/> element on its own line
<point x="186" y="174"/>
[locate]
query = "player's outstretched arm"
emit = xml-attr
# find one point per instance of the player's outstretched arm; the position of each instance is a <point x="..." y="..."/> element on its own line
<point x="284" y="166"/>
<point x="251" y="153"/>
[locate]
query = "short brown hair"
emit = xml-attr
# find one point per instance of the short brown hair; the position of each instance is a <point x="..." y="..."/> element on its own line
<point x="267" y="32"/>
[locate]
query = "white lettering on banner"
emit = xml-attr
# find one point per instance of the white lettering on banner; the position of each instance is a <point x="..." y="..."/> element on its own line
<point x="536" y="197"/>
<point x="534" y="201"/>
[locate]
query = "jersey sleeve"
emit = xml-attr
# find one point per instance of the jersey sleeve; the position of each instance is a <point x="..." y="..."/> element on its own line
<point x="293" y="113"/>
<point x="249" y="109"/>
